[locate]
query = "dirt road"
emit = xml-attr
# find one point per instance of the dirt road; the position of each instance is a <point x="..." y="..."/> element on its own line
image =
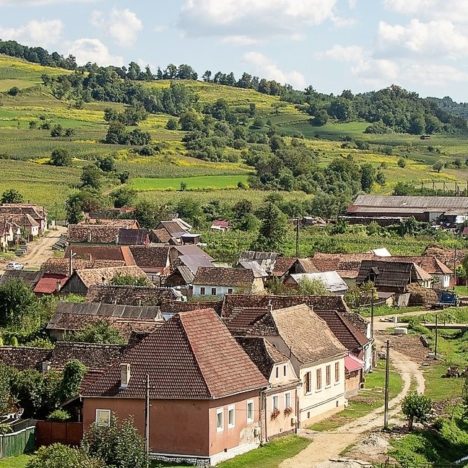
<point x="328" y="445"/>
<point x="41" y="249"/>
<point x="381" y="323"/>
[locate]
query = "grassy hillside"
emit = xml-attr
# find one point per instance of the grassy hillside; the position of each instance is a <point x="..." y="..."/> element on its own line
<point x="24" y="152"/>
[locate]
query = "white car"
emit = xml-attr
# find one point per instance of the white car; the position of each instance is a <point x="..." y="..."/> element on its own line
<point x="14" y="266"/>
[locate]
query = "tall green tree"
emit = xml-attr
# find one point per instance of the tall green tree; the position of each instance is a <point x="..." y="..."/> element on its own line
<point x="273" y="228"/>
<point x="60" y="157"/>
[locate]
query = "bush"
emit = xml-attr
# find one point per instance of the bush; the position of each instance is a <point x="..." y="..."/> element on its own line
<point x="401" y="163"/>
<point x="60" y="157"/>
<point x="14" y="91"/>
<point x="416" y="407"/>
<point x="119" y="445"/>
<point x="59" y="415"/>
<point x="61" y="456"/>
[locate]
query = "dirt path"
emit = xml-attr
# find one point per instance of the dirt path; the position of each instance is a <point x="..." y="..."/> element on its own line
<point x="379" y="324"/>
<point x="41" y="250"/>
<point x="328" y="445"/>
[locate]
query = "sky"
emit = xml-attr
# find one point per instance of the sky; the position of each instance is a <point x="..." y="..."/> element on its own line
<point x="332" y="45"/>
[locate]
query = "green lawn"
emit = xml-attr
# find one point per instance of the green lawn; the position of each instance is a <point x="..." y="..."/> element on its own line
<point x="387" y="310"/>
<point x="270" y="455"/>
<point x="461" y="290"/>
<point x="214" y="182"/>
<point x="369" y="399"/>
<point x="15" y="462"/>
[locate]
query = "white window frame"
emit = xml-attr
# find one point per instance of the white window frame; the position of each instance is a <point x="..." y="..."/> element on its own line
<point x="317" y="380"/>
<point x="337" y="374"/>
<point x="251" y="418"/>
<point x="220" y="411"/>
<point x="285" y="370"/>
<point x="108" y="417"/>
<point x="277" y="372"/>
<point x="328" y="373"/>
<point x="202" y="291"/>
<point x="273" y="406"/>
<point x="233" y="409"/>
<point x="214" y="291"/>
<point x="287" y="396"/>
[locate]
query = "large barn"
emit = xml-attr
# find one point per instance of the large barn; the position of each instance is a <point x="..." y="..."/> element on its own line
<point x="449" y="209"/>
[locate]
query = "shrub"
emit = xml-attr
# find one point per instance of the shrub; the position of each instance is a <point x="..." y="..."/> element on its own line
<point x="14" y="91"/>
<point x="59" y="415"/>
<point x="416" y="407"/>
<point x="119" y="445"/>
<point x="60" y="456"/>
<point x="60" y="157"/>
<point x="401" y="163"/>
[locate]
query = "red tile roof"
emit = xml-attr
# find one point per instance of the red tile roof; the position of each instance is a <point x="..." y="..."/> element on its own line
<point x="213" y="276"/>
<point x="101" y="252"/>
<point x="48" y="283"/>
<point x="352" y="363"/>
<point x="192" y="356"/>
<point x="347" y="333"/>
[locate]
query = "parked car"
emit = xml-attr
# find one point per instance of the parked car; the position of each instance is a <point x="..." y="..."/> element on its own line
<point x="14" y="266"/>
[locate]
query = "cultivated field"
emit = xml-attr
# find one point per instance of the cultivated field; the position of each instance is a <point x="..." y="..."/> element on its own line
<point x="20" y="145"/>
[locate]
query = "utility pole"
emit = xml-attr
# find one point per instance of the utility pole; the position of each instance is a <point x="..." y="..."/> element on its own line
<point x="147" y="419"/>
<point x="372" y="315"/>
<point x="387" y="381"/>
<point x="436" y="337"/>
<point x="455" y="267"/>
<point x="297" y="238"/>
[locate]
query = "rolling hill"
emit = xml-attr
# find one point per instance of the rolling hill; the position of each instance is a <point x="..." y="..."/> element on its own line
<point x="26" y="105"/>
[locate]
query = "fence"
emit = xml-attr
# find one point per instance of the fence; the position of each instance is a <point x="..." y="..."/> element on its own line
<point x="18" y="442"/>
<point x="51" y="432"/>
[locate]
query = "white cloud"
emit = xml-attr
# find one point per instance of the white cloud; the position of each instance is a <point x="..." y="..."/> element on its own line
<point x="241" y="40"/>
<point x="266" y="68"/>
<point x="252" y="18"/>
<point x="42" y="2"/>
<point x="122" y="25"/>
<point x="343" y="53"/>
<point x="93" y="50"/>
<point x="35" y="32"/>
<point x="160" y="28"/>
<point x="433" y="38"/>
<point x="452" y="10"/>
<point x="381" y="72"/>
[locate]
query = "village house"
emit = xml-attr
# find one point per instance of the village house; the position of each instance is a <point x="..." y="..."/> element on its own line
<point x="422" y="208"/>
<point x="442" y="275"/>
<point x="331" y="280"/>
<point x="285" y="266"/>
<point x="241" y="313"/>
<point x="213" y="281"/>
<point x="72" y="317"/>
<point x="204" y="391"/>
<point x="401" y="278"/>
<point x="93" y="233"/>
<point x="154" y="260"/>
<point x="28" y="277"/>
<point x="171" y="232"/>
<point x="116" y="253"/>
<point x="116" y="222"/>
<point x="316" y="356"/>
<point x="24" y="225"/>
<point x="81" y="280"/>
<point x="359" y="346"/>
<point x="131" y="295"/>
<point x="10" y="234"/>
<point x="220" y="225"/>
<point x="280" y="398"/>
<point x="265" y="260"/>
<point x="36" y="212"/>
<point x="134" y="237"/>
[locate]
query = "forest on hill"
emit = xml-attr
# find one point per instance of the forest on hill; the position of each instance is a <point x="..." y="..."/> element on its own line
<point x="216" y="138"/>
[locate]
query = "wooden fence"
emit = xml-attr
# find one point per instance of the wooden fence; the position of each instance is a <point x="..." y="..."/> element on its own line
<point x="51" y="432"/>
<point x="18" y="442"/>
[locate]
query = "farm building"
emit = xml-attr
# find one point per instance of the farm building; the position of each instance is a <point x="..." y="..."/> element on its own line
<point x="428" y="209"/>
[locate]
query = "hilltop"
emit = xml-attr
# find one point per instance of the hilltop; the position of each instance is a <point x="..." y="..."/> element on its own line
<point x="34" y="99"/>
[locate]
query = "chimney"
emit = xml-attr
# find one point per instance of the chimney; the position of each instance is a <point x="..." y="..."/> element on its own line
<point x="89" y="237"/>
<point x="45" y="366"/>
<point x="124" y="375"/>
<point x="71" y="263"/>
<point x="58" y="286"/>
